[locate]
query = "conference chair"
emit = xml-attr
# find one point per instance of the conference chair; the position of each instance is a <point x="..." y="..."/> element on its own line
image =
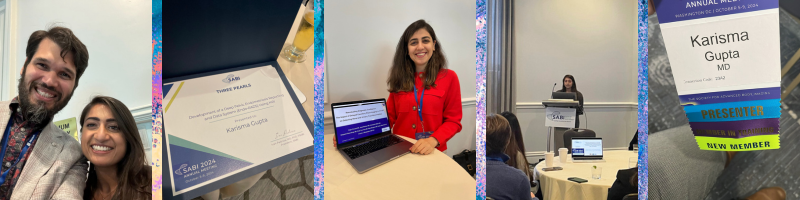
<point x="576" y="132"/>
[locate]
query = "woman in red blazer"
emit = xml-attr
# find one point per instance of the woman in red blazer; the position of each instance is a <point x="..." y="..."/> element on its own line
<point x="425" y="96"/>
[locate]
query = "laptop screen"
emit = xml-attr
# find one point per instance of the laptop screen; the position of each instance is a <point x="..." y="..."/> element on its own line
<point x="587" y="147"/>
<point x="359" y="120"/>
<point x="563" y="95"/>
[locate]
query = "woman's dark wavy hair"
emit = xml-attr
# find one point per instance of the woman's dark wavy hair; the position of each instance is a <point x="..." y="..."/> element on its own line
<point x="401" y="75"/>
<point x="135" y="180"/>
<point x="574" y="85"/>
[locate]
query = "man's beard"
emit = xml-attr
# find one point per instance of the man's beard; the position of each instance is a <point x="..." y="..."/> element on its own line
<point x="37" y="115"/>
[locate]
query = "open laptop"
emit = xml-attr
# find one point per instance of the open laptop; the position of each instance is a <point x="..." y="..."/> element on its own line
<point x="587" y="149"/>
<point x="363" y="134"/>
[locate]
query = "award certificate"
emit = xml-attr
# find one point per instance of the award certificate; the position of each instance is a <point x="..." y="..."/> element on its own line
<point x="219" y="125"/>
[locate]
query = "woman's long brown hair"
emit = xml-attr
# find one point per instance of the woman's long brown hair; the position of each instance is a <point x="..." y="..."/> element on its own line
<point x="135" y="180"/>
<point x="516" y="144"/>
<point x="401" y="75"/>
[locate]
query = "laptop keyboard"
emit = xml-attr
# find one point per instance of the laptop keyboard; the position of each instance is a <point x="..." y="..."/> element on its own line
<point x="371" y="146"/>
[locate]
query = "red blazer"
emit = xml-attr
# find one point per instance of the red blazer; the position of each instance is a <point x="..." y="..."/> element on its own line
<point x="441" y="109"/>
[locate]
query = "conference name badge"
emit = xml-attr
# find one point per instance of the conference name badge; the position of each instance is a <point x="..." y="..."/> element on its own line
<point x="423" y="135"/>
<point x="725" y="59"/>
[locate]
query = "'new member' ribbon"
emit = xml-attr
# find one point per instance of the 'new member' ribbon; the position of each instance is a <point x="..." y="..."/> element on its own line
<point x="761" y="142"/>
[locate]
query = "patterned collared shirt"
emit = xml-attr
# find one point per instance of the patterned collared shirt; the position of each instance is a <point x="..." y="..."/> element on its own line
<point x="18" y="133"/>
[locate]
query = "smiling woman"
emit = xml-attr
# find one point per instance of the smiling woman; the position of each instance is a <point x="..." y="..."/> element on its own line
<point x="112" y="144"/>
<point x="410" y="89"/>
<point x="420" y="66"/>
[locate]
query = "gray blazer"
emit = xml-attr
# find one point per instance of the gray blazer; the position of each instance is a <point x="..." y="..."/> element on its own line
<point x="56" y="169"/>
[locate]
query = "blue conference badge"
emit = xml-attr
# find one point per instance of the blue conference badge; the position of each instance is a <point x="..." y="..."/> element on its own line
<point x="423" y="135"/>
<point x="726" y="67"/>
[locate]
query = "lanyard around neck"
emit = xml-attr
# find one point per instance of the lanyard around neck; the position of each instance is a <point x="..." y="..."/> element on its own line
<point x="419" y="104"/>
<point x="4" y="144"/>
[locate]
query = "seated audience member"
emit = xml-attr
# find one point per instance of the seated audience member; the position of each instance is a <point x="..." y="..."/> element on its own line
<point x="502" y="181"/>
<point x="516" y="149"/>
<point x="625" y="184"/>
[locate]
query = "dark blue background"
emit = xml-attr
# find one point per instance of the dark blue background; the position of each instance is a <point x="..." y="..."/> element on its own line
<point x="667" y="9"/>
<point x="343" y="129"/>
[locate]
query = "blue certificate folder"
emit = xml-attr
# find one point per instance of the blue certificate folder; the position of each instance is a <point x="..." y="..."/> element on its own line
<point x="166" y="173"/>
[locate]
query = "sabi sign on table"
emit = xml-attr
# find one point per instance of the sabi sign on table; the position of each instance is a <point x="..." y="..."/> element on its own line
<point x="224" y="124"/>
<point x="725" y="58"/>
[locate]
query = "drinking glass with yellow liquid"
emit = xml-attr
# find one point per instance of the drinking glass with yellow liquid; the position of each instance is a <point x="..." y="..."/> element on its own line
<point x="304" y="37"/>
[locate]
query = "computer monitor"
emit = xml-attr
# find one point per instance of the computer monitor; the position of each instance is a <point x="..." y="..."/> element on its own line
<point x="583" y="147"/>
<point x="359" y="119"/>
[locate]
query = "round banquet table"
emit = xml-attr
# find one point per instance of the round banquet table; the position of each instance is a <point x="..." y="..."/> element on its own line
<point x="556" y="186"/>
<point x="411" y="176"/>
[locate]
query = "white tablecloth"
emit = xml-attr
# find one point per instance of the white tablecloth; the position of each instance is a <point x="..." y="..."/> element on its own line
<point x="412" y="176"/>
<point x="556" y="186"/>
